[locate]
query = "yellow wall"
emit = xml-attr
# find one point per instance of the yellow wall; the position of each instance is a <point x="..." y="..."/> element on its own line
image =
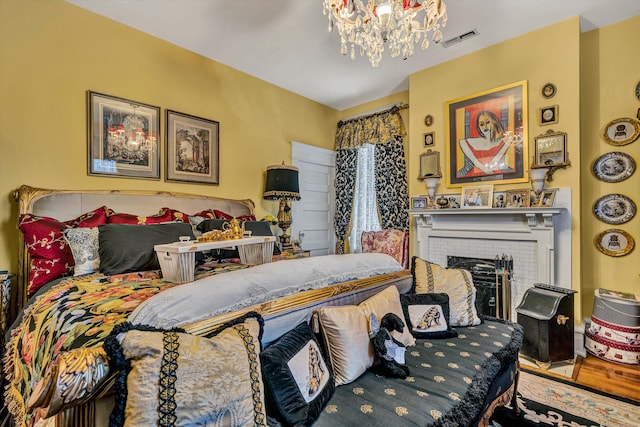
<point x="547" y="55"/>
<point x="52" y="52"/>
<point x="610" y="71"/>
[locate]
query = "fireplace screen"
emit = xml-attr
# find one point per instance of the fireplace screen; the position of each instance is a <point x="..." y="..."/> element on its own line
<point x="492" y="280"/>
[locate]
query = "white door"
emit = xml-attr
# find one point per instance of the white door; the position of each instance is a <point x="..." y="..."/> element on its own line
<point x="313" y="214"/>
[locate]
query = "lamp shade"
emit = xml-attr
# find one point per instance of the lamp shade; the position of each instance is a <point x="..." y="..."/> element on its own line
<point x="282" y="183"/>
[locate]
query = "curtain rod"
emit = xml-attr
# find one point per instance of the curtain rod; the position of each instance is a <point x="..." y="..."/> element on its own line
<point x="398" y="105"/>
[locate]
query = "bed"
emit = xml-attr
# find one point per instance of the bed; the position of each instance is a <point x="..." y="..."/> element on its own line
<point x="55" y="365"/>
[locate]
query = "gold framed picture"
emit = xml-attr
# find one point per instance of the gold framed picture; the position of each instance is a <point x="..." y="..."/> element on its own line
<point x="548" y="115"/>
<point x="486" y="132"/>
<point x="519" y="198"/>
<point x="547" y="198"/>
<point x="477" y="196"/>
<point x="429" y="139"/>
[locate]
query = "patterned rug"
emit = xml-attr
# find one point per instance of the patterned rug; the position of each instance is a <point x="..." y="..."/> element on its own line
<point x="547" y="402"/>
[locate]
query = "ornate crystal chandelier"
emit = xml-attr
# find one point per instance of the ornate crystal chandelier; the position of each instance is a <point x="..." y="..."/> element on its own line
<point x="369" y="24"/>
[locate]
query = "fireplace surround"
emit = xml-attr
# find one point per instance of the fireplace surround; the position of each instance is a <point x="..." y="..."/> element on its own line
<point x="538" y="239"/>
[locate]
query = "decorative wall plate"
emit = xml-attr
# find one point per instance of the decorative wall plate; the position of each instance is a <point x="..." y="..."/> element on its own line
<point x="638" y="91"/>
<point x="428" y="120"/>
<point x="614" y="209"/>
<point x="614" y="242"/>
<point x="614" y="167"/>
<point x="548" y="90"/>
<point x="622" y="131"/>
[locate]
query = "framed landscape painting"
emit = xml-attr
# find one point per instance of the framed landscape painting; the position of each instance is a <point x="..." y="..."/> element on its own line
<point x="123" y="137"/>
<point x="487" y="137"/>
<point x="193" y="145"/>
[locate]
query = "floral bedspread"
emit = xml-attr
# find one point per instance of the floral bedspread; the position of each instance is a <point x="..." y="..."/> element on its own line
<point x="76" y="313"/>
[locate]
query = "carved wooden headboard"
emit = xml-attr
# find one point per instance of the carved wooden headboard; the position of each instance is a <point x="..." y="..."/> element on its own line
<point x="68" y="204"/>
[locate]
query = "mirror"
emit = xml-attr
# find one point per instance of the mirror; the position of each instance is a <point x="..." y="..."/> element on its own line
<point x="429" y="165"/>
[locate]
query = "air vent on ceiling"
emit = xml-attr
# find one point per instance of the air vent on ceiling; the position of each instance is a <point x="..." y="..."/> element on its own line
<point x="460" y="38"/>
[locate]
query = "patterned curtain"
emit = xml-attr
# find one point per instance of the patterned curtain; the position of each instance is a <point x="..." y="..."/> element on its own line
<point x="392" y="190"/>
<point x="386" y="130"/>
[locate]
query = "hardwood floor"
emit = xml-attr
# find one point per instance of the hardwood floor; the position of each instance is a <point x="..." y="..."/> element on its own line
<point x="607" y="377"/>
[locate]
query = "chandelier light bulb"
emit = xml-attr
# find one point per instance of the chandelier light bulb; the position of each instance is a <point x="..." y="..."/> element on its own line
<point x="372" y="24"/>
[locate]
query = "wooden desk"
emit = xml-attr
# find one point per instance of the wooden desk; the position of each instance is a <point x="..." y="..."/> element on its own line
<point x="178" y="260"/>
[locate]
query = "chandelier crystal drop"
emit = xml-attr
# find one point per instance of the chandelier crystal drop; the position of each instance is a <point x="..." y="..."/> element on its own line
<point x="367" y="25"/>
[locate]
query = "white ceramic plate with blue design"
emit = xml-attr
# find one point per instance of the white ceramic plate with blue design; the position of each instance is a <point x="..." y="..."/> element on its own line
<point x="614" y="208"/>
<point x="614" y="167"/>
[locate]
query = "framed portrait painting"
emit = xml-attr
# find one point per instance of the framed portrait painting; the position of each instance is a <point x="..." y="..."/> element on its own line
<point x="193" y="145"/>
<point x="486" y="137"/>
<point x="123" y="137"/>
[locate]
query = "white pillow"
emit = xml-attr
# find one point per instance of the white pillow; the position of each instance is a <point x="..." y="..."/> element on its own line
<point x="84" y="248"/>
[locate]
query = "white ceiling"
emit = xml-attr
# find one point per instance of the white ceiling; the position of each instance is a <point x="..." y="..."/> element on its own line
<point x="286" y="42"/>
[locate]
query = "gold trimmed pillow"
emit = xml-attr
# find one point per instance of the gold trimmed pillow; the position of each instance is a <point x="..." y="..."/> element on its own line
<point x="455" y="282"/>
<point x="174" y="378"/>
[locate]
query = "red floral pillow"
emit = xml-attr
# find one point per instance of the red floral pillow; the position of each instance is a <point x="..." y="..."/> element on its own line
<point x="175" y="215"/>
<point x="165" y="215"/>
<point x="207" y="213"/>
<point x="223" y="215"/>
<point x="49" y="251"/>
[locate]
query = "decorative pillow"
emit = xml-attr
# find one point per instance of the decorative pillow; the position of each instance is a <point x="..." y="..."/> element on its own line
<point x="457" y="283"/>
<point x="165" y="215"/>
<point x="207" y="214"/>
<point x="126" y="248"/>
<point x="176" y="216"/>
<point x="427" y="315"/>
<point x="84" y="247"/>
<point x="257" y="228"/>
<point x="345" y="333"/>
<point x="388" y="301"/>
<point x="173" y="378"/>
<point x="49" y="251"/>
<point x="224" y="215"/>
<point x="297" y="381"/>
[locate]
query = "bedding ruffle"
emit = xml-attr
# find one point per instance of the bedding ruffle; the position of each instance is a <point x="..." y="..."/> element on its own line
<point x="195" y="301"/>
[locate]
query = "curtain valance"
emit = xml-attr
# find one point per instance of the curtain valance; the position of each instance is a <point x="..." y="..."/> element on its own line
<point x="378" y="128"/>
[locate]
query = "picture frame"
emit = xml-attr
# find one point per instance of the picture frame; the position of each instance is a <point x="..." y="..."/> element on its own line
<point x="480" y="122"/>
<point x="419" y="202"/>
<point x="122" y="137"/>
<point x="548" y="90"/>
<point x="477" y="196"/>
<point x="499" y="199"/>
<point x="547" y="198"/>
<point x="615" y="242"/>
<point x="429" y="139"/>
<point x="548" y="115"/>
<point x="192" y="149"/>
<point x="622" y="131"/>
<point x="550" y="149"/>
<point x="519" y="198"/>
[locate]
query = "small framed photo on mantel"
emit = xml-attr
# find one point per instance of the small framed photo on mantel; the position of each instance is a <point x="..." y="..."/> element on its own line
<point x="477" y="196"/>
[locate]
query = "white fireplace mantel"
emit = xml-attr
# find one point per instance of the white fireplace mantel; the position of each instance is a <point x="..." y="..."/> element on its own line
<point x="534" y="216"/>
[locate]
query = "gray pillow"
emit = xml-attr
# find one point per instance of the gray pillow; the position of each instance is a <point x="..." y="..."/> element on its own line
<point x="126" y="248"/>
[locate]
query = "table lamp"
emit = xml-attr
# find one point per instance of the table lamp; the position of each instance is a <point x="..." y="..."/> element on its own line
<point x="282" y="184"/>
